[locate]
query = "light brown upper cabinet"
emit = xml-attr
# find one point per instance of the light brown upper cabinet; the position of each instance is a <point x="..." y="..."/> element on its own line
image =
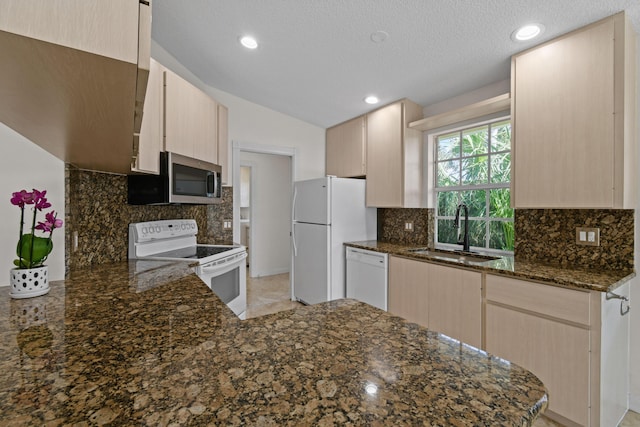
<point x="574" y="120"/>
<point x="150" y="141"/>
<point x="223" y="142"/>
<point x="188" y="122"/>
<point x="346" y="149"/>
<point x="190" y="118"/>
<point x="74" y="77"/>
<point x="394" y="157"/>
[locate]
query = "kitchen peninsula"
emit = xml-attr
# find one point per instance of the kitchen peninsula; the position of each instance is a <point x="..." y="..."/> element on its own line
<point x="148" y="343"/>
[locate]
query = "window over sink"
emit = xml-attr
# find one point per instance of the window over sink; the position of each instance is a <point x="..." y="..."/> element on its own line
<point x="473" y="166"/>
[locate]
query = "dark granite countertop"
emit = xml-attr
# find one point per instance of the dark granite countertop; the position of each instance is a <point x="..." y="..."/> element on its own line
<point x="592" y="280"/>
<point x="147" y="343"/>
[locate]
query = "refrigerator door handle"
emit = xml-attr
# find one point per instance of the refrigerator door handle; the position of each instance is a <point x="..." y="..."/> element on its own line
<point x="293" y="239"/>
<point x="293" y="218"/>
<point x="293" y="205"/>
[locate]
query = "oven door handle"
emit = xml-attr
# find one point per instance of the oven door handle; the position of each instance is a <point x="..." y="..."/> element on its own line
<point x="223" y="263"/>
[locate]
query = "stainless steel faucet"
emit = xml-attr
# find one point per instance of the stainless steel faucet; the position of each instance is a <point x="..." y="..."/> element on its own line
<point x="465" y="237"/>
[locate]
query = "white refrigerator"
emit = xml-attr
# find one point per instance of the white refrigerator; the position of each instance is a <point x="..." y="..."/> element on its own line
<point x="326" y="213"/>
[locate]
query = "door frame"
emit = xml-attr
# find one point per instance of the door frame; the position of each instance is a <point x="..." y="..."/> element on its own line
<point x="250" y="147"/>
<point x="252" y="168"/>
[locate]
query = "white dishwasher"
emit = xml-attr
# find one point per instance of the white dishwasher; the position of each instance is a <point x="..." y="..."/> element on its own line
<point x="367" y="276"/>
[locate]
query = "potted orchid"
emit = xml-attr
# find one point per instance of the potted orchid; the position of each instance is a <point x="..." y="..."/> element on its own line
<point x="30" y="277"/>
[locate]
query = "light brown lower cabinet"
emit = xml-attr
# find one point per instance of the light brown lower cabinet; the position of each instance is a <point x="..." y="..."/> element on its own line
<point x="444" y="299"/>
<point x="575" y="341"/>
<point x="455" y="303"/>
<point x="408" y="289"/>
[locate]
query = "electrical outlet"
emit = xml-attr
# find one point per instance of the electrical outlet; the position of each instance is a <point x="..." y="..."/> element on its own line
<point x="588" y="236"/>
<point x="408" y="226"/>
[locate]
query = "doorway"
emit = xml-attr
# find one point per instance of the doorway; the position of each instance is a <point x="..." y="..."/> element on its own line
<point x="263" y="179"/>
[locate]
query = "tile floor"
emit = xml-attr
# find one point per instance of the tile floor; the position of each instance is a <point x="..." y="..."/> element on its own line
<point x="270" y="294"/>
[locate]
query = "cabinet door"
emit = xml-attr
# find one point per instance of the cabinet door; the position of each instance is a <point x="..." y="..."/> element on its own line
<point x="151" y="133"/>
<point x="205" y="147"/>
<point x="544" y="337"/>
<point x="345" y="152"/>
<point x="563" y="118"/>
<point x="106" y="28"/>
<point x="555" y="352"/>
<point x="385" y="156"/>
<point x="189" y="122"/>
<point x="455" y="303"/>
<point x="408" y="289"/>
<point x="223" y="142"/>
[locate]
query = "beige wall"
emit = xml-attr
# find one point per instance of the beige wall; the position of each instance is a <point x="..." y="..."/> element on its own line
<point x="24" y="165"/>
<point x="270" y="213"/>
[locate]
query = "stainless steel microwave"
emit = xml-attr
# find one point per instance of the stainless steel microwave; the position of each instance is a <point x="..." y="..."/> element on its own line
<point x="182" y="180"/>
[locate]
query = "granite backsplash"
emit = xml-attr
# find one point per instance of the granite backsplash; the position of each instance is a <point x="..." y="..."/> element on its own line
<point x="541" y="235"/>
<point x="549" y="236"/>
<point x="97" y="210"/>
<point x="391" y="222"/>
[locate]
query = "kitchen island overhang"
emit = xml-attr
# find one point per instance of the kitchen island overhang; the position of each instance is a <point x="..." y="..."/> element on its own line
<point x="123" y="344"/>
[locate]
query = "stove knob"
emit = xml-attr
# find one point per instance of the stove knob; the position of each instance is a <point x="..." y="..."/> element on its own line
<point x="151" y="230"/>
<point x="183" y="226"/>
<point x="193" y="226"/>
<point x="144" y="230"/>
<point x="158" y="229"/>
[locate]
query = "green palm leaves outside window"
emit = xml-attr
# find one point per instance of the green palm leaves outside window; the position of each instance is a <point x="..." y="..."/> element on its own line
<point x="473" y="166"/>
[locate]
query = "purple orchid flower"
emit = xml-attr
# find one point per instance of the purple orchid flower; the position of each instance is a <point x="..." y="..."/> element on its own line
<point x="21" y="198"/>
<point x="50" y="223"/>
<point x="39" y="199"/>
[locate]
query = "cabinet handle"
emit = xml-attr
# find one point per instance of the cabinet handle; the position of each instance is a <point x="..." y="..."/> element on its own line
<point x="623" y="299"/>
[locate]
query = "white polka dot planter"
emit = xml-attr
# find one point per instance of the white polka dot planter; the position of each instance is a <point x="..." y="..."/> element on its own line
<point x="29" y="282"/>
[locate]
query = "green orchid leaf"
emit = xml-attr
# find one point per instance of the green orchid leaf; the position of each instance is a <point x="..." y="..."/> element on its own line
<point x="42" y="247"/>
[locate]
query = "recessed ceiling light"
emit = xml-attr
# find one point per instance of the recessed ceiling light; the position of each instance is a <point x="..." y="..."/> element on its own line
<point x="371" y="99"/>
<point x="527" y="32"/>
<point x="249" y="42"/>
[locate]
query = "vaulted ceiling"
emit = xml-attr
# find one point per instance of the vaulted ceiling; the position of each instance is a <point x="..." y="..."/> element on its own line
<point x="317" y="59"/>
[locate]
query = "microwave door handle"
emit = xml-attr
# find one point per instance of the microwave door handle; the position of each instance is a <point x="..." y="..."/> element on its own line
<point x="211" y="183"/>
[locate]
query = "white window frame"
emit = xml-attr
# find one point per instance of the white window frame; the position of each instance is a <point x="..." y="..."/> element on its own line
<point x="489" y="186"/>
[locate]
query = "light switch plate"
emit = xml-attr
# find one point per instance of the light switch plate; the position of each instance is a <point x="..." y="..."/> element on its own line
<point x="226" y="224"/>
<point x="588" y="236"/>
<point x="408" y="226"/>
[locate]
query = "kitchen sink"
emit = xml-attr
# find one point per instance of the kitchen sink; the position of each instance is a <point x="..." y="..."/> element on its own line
<point x="459" y="256"/>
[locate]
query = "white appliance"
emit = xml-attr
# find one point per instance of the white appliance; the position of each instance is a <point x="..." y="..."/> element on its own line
<point x="221" y="267"/>
<point x="326" y="213"/>
<point x="367" y="277"/>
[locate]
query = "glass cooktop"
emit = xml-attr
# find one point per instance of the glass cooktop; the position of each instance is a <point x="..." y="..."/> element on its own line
<point x="195" y="252"/>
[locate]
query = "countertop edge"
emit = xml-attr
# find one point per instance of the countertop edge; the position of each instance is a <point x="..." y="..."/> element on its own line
<point x="507" y="266"/>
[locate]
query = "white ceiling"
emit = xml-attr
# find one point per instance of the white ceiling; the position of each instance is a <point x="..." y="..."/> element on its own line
<point x="316" y="60"/>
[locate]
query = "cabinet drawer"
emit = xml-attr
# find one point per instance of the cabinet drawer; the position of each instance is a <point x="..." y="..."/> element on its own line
<point x="547" y="300"/>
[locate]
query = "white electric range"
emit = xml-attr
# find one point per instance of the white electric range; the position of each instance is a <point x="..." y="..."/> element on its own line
<point x="221" y="267"/>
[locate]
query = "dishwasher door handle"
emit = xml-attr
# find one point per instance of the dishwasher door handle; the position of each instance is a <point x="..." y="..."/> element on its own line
<point x="367" y="257"/>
